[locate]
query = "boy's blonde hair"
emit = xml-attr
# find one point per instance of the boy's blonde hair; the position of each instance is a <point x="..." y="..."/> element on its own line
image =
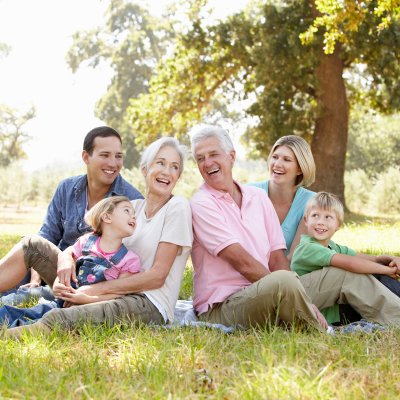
<point x="94" y="217"/>
<point x="326" y="201"/>
<point x="304" y="157"/>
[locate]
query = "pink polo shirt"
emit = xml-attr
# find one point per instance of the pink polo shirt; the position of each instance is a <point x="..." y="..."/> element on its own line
<point x="217" y="223"/>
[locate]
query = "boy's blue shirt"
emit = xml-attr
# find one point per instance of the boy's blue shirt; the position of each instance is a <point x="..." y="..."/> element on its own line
<point x="64" y="221"/>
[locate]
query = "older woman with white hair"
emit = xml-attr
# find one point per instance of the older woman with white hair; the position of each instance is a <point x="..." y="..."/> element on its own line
<point x="163" y="240"/>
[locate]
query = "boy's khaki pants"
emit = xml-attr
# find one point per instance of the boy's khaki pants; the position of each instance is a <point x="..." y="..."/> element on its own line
<point x="369" y="297"/>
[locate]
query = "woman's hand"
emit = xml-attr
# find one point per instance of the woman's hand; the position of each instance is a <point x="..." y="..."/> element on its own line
<point x="85" y="295"/>
<point x="78" y="297"/>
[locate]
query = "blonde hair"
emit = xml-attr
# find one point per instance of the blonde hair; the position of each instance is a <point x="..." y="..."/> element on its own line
<point x="303" y="154"/>
<point x="94" y="217"/>
<point x="328" y="202"/>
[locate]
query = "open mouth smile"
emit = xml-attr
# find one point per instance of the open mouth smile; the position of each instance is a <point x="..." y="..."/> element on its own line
<point x="213" y="171"/>
<point x="163" y="181"/>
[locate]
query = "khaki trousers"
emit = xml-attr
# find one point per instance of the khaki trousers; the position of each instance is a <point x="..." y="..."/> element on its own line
<point x="134" y="308"/>
<point x="276" y="298"/>
<point x="42" y="256"/>
<point x="370" y="298"/>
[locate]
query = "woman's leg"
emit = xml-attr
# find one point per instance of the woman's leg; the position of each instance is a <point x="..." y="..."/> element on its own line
<point x="135" y="308"/>
<point x="34" y="252"/>
<point x="16" y="333"/>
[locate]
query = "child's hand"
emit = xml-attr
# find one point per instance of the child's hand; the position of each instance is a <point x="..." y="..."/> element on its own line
<point x="59" y="289"/>
<point x="395" y="263"/>
<point x="393" y="272"/>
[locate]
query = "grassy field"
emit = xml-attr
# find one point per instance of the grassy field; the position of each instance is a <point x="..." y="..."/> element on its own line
<point x="198" y="363"/>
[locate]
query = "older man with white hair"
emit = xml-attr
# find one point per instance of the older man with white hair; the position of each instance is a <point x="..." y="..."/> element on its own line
<point x="242" y="275"/>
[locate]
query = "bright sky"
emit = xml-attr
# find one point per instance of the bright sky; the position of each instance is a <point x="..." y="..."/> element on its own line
<point x="35" y="73"/>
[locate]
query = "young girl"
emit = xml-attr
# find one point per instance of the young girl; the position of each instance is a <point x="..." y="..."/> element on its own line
<point x="99" y="255"/>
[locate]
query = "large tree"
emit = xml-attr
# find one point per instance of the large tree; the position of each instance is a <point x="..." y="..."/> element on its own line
<point x="293" y="88"/>
<point x="131" y="42"/>
<point x="12" y="134"/>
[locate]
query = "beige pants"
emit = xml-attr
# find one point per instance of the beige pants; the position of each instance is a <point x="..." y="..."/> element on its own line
<point x="42" y="255"/>
<point x="370" y="298"/>
<point x="278" y="297"/>
<point x="134" y="308"/>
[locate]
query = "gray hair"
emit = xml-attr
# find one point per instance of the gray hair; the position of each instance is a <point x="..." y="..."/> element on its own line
<point x="152" y="150"/>
<point x="201" y="132"/>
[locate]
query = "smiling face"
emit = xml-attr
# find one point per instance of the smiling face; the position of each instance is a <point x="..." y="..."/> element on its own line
<point x="321" y="224"/>
<point x="215" y="165"/>
<point x="163" y="173"/>
<point x="122" y="219"/>
<point x="105" y="162"/>
<point x="283" y="166"/>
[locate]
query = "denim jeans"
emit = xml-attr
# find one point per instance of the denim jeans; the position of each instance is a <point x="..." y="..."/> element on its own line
<point x="392" y="284"/>
<point x="23" y="295"/>
<point x="13" y="316"/>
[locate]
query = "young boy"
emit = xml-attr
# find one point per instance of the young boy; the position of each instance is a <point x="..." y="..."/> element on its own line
<point x="323" y="216"/>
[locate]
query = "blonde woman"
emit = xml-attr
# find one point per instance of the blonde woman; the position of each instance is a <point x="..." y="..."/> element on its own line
<point x="291" y="169"/>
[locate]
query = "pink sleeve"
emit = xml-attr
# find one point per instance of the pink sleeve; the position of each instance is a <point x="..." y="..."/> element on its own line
<point x="131" y="263"/>
<point x="210" y="226"/>
<point x="78" y="246"/>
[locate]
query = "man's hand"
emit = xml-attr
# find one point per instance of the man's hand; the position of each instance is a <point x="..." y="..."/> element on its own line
<point x="30" y="285"/>
<point x="66" y="269"/>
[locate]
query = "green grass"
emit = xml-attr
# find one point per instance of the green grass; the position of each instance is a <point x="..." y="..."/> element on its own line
<point x="198" y="363"/>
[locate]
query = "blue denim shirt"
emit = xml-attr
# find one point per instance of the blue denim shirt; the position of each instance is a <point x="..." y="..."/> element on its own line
<point x="64" y="221"/>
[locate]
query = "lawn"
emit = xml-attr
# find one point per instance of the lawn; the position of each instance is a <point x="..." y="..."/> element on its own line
<point x="198" y="363"/>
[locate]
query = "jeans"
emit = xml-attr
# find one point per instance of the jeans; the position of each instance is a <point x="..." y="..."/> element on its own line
<point x="14" y="316"/>
<point x="23" y="295"/>
<point x="392" y="284"/>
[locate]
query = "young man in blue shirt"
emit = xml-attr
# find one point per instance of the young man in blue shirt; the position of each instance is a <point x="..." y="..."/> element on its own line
<point x="64" y="221"/>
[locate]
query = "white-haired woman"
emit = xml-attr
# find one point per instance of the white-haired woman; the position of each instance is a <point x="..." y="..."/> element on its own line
<point x="163" y="240"/>
<point x="291" y="169"/>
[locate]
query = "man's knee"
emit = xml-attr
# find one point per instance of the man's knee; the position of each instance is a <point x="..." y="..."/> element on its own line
<point x="37" y="248"/>
<point x="281" y="281"/>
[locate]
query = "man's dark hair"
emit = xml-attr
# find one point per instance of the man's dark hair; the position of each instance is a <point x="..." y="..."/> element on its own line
<point x="101" y="131"/>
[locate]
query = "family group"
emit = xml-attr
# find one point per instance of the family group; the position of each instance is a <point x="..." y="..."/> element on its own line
<point x="262" y="253"/>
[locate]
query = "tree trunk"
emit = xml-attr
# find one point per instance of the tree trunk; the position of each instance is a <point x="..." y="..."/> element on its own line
<point x="331" y="128"/>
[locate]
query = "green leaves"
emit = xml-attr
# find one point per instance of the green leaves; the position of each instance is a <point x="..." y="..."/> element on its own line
<point x="12" y="136"/>
<point x="339" y="19"/>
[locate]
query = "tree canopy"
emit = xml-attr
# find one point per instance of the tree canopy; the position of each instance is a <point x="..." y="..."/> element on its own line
<point x="12" y="135"/>
<point x="256" y="55"/>
<point x="340" y="18"/>
<point x="293" y="88"/>
<point x="131" y="42"/>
